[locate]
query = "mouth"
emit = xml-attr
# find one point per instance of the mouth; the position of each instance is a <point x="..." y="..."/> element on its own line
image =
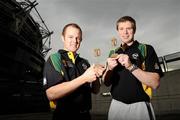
<point x="73" y="45"/>
<point x="125" y="37"/>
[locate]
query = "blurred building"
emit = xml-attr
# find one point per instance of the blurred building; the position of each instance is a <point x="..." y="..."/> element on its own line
<point x="22" y="55"/>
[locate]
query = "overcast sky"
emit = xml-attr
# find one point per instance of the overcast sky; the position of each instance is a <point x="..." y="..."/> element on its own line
<point x="158" y="23"/>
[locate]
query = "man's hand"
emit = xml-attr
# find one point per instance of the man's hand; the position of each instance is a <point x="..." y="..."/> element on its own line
<point x="99" y="69"/>
<point x="124" y="60"/>
<point x="93" y="72"/>
<point x="112" y="61"/>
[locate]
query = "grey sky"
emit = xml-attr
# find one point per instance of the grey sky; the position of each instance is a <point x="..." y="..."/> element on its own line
<point x="157" y="23"/>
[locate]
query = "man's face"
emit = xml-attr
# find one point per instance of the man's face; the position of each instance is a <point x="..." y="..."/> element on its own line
<point x="126" y="32"/>
<point x="71" y="39"/>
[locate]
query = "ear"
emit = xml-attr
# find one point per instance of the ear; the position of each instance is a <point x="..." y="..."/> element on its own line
<point x="62" y="38"/>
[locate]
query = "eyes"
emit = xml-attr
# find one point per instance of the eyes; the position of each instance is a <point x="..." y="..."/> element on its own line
<point x="129" y="28"/>
<point x="71" y="37"/>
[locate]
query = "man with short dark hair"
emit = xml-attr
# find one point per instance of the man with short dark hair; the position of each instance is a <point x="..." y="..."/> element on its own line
<point x="69" y="79"/>
<point x="133" y="70"/>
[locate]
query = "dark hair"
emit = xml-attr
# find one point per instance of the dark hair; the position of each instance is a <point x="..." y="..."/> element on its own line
<point x="127" y="18"/>
<point x="72" y="25"/>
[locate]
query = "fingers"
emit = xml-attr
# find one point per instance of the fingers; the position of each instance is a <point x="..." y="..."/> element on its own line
<point x="93" y="72"/>
<point x="89" y="74"/>
<point x="114" y="55"/>
<point x="99" y="69"/>
<point x="121" y="60"/>
<point x="124" y="60"/>
<point x="112" y="62"/>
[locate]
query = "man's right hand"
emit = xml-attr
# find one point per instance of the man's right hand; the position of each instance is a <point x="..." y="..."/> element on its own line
<point x="112" y="62"/>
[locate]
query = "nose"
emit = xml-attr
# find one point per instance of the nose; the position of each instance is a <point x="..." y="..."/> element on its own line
<point x="76" y="39"/>
<point x="125" y="31"/>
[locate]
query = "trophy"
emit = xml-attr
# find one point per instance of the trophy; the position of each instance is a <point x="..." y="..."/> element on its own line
<point x="113" y="44"/>
<point x="97" y="54"/>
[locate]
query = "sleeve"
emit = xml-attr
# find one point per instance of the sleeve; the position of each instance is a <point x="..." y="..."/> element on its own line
<point x="51" y="77"/>
<point x="152" y="61"/>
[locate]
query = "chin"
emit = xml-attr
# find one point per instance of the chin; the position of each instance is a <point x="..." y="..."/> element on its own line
<point x="73" y="50"/>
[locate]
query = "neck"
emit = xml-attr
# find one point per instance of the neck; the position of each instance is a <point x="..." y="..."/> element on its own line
<point x="74" y="53"/>
<point x="128" y="44"/>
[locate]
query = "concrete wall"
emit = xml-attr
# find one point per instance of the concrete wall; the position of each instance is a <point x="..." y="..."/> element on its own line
<point x="166" y="99"/>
